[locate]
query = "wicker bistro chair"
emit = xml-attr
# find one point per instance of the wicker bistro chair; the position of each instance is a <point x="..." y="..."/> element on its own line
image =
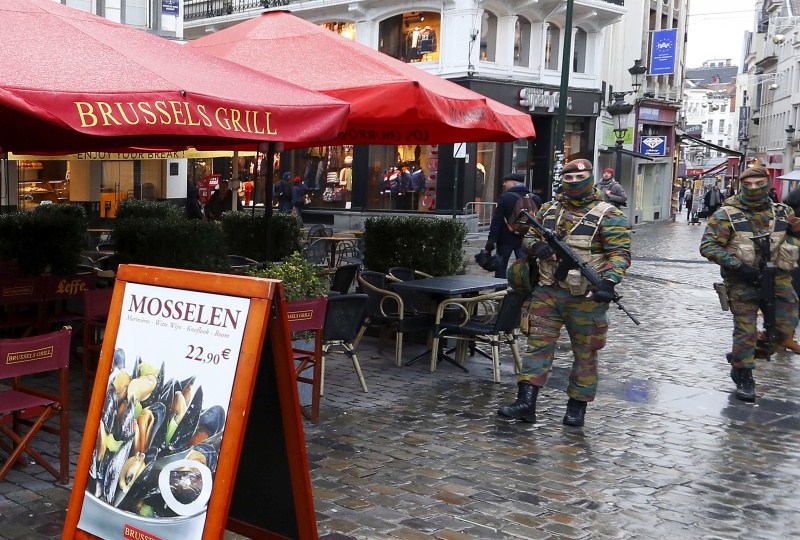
<point x="480" y="320"/>
<point x="386" y="310"/>
<point x="414" y="302"/>
<point x="343" y="278"/>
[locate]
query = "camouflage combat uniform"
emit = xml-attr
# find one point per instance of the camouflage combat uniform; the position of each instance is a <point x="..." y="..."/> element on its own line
<point x="600" y="233"/>
<point x="726" y="241"/>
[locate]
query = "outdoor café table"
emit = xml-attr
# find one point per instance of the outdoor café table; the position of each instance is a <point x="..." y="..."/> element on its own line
<point x="443" y="287"/>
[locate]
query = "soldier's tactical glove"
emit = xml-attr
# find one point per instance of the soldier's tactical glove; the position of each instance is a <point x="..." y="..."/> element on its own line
<point x="749" y="274"/>
<point x="603" y="292"/>
<point x="489" y="246"/>
<point x="542" y="250"/>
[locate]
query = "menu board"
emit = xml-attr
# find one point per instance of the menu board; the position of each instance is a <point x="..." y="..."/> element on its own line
<point x="182" y="354"/>
<point x="163" y="416"/>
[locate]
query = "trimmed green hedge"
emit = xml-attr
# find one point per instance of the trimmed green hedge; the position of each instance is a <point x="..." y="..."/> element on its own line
<point x="133" y="208"/>
<point x="246" y="235"/>
<point x="426" y="244"/>
<point x="171" y="243"/>
<point x="49" y="239"/>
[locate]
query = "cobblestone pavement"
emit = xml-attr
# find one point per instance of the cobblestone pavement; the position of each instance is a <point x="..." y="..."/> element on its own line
<point x="667" y="452"/>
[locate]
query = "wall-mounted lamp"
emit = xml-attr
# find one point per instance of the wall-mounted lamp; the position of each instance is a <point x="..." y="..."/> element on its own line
<point x="790" y="135"/>
<point x="637" y="72"/>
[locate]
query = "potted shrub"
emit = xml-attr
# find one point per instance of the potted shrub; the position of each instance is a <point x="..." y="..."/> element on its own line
<point x="306" y="301"/>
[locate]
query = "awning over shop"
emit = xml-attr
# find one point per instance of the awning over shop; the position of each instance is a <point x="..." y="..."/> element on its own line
<point x="793" y="175"/>
<point x="683" y="136"/>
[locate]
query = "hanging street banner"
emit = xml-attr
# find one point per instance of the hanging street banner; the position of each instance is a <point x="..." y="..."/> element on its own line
<point x="662" y="59"/>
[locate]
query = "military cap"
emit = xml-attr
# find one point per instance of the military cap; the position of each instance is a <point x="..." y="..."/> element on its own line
<point x="578" y="165"/>
<point x="753" y="172"/>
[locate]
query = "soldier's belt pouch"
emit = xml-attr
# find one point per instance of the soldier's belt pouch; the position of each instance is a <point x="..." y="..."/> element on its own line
<point x="722" y="292"/>
<point x="576" y="283"/>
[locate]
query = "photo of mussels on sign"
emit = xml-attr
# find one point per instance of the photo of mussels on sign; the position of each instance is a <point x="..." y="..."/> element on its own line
<point x="159" y="416"/>
<point x="154" y="433"/>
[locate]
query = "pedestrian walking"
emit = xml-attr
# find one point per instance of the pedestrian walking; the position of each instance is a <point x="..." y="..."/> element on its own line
<point x="688" y="200"/>
<point x="502" y="234"/>
<point x="728" y="242"/>
<point x="299" y="191"/>
<point x="681" y="194"/>
<point x="611" y="190"/>
<point x="712" y="200"/>
<point x="283" y="192"/>
<point x="600" y="234"/>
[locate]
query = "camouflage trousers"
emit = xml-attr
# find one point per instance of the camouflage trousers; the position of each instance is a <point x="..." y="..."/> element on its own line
<point x="744" y="306"/>
<point x="586" y="324"/>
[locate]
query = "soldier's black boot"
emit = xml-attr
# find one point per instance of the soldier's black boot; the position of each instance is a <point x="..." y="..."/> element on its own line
<point x="576" y="410"/>
<point x="746" y="387"/>
<point x="524" y="408"/>
<point x="734" y="371"/>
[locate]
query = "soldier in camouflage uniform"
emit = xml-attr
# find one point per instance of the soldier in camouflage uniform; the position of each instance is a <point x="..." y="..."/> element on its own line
<point x="727" y="242"/>
<point x="598" y="232"/>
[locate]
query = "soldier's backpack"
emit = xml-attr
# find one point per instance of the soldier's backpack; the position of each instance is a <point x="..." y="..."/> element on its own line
<point x="524" y="202"/>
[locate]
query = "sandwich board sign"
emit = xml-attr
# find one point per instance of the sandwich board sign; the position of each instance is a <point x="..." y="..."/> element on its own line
<point x="194" y="425"/>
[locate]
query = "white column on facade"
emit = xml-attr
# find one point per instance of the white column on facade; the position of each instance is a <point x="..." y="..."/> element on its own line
<point x="459" y="23"/>
<point x="504" y="57"/>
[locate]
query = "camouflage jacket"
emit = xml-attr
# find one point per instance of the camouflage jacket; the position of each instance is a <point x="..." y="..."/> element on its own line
<point x="613" y="238"/>
<point x="720" y="232"/>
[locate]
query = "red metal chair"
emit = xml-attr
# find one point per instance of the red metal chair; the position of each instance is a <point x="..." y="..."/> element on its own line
<point x="22" y="404"/>
<point x="309" y="316"/>
<point x="96" y="304"/>
<point x="20" y="304"/>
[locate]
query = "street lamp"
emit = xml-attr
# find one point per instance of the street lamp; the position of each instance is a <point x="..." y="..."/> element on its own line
<point x="619" y="111"/>
<point x="637" y="72"/>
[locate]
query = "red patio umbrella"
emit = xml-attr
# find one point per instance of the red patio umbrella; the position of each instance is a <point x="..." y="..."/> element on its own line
<point x="71" y="81"/>
<point x="391" y="102"/>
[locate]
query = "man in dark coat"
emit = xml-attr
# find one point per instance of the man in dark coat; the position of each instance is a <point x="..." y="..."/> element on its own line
<point x="500" y="236"/>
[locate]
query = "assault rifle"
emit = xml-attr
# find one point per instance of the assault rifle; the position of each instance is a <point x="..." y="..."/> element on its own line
<point x="569" y="259"/>
<point x="766" y="288"/>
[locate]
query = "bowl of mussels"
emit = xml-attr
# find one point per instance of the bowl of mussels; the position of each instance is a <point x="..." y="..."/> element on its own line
<point x="157" y="446"/>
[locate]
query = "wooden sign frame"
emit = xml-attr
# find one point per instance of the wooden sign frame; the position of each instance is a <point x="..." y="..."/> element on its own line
<point x="271" y="367"/>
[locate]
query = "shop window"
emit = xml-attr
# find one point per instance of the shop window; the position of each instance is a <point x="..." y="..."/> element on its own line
<point x="522" y="42"/>
<point x="552" y="46"/>
<point x="488" y="36"/>
<point x="402" y="177"/>
<point x="83" y="5"/>
<point x="411" y="37"/>
<point x="344" y="29"/>
<point x="487" y="158"/>
<point x="576" y="143"/>
<point x="152" y="187"/>
<point x="579" y="56"/>
<point x="327" y="172"/>
<point x="136" y="13"/>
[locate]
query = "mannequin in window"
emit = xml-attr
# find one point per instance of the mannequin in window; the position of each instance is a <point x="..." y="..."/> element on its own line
<point x="346" y="174"/>
<point x="480" y="181"/>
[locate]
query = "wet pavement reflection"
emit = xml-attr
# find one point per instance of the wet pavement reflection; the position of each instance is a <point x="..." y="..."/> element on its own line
<point x="666" y="452"/>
